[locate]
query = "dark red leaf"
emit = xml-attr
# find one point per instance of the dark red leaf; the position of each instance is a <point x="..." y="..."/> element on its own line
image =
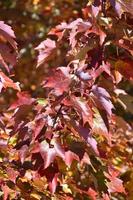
<point x="51" y="174"/>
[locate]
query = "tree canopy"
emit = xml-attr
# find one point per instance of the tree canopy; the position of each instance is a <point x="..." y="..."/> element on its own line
<point x="66" y="100"/>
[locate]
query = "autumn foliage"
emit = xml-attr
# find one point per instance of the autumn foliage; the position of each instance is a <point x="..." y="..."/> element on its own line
<point x="74" y="142"/>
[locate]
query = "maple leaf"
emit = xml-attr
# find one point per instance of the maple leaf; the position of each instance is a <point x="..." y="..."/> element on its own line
<point x="12" y="174"/>
<point x="23" y="99"/>
<point x="100" y="126"/>
<point x="92" y="193"/>
<point x="105" y="197"/>
<point x="91" y="11"/>
<point x="86" y="159"/>
<point x="53" y="183"/>
<point x="85" y="133"/>
<point x="115" y="184"/>
<point x="51" y="174"/>
<point x="7" y="56"/>
<point x="49" y="153"/>
<point x="102" y="97"/>
<point x="69" y="157"/>
<point x="23" y="151"/>
<point x="105" y="67"/>
<point x="59" y="81"/>
<point x="82" y="108"/>
<point x="6" y="82"/>
<point x="75" y="27"/>
<point x="7" y="35"/>
<point x="39" y="123"/>
<point x="46" y="49"/>
<point x="99" y="32"/>
<point x="35" y="125"/>
<point x="6" y="190"/>
<point x="7" y="32"/>
<point x="85" y="76"/>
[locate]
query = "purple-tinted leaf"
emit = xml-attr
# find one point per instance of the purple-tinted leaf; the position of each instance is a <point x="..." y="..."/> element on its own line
<point x="122" y="6"/>
<point x="77" y="26"/>
<point x="103" y="98"/>
<point x="98" y="32"/>
<point x="3" y="63"/>
<point x="85" y="76"/>
<point x="85" y="133"/>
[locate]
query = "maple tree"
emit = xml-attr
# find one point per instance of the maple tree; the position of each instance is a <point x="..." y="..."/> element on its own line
<point x="69" y="144"/>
